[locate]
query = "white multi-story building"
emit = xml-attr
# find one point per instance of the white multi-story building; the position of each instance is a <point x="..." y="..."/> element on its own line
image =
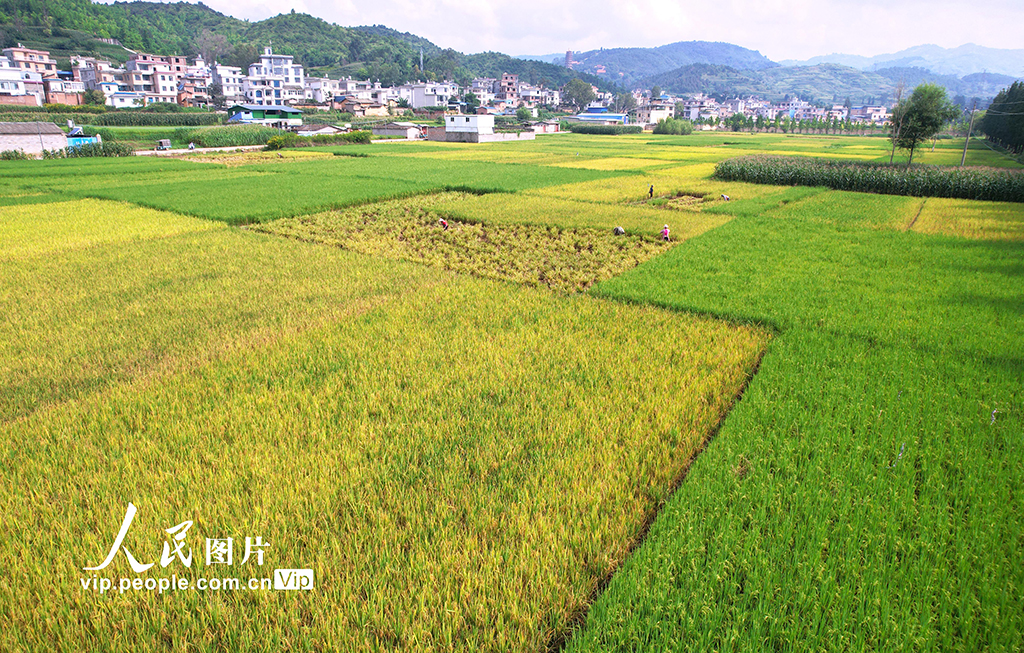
<point x="11" y="82"/>
<point x="231" y="81"/>
<point x="431" y="94"/>
<point x="321" y="89"/>
<point x="274" y="80"/>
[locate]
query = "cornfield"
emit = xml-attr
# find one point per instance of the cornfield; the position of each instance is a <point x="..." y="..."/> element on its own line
<point x="917" y="181"/>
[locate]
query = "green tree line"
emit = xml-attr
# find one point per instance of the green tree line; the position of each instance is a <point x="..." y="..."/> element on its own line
<point x="1004" y="120"/>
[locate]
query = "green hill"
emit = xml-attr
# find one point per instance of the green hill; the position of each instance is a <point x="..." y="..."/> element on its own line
<point x="823" y="83"/>
<point x="66" y="27"/>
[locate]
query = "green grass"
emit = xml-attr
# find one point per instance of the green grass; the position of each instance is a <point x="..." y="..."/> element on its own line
<point x="860" y="497"/>
<point x="260" y="192"/>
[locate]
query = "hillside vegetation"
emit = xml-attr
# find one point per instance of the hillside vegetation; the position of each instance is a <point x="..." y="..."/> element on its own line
<point x="823" y="83"/>
<point x="66" y="27"/>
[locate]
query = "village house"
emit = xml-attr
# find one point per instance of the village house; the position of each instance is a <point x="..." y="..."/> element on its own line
<point x="31" y="137"/>
<point x="405" y="130"/>
<point x="36" y="61"/>
<point x="16" y="86"/>
<point x="358" y="107"/>
<point x="59" y="91"/>
<point x="231" y="81"/>
<point x="656" y="110"/>
<point x="320" y="130"/>
<point x="278" y="116"/>
<point x="274" y="80"/>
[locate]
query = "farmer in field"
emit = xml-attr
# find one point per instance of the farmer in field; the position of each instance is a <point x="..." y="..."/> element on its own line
<point x="650" y="192"/>
<point x="664" y="233"/>
<point x="443" y="223"/>
<point x="191" y="146"/>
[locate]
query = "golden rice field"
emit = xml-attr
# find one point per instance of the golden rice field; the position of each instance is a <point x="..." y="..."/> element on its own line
<point x="461" y="439"/>
<point x="559" y="258"/>
<point x="40" y="229"/>
<point x="460" y="468"/>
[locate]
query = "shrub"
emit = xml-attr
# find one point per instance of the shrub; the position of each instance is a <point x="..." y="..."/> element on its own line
<point x="13" y="155"/>
<point x="673" y="126"/>
<point x="74" y="108"/>
<point x="918" y="181"/>
<point x="361" y="137"/>
<point x="605" y="130"/>
<point x="281" y="141"/>
<point x="98" y="149"/>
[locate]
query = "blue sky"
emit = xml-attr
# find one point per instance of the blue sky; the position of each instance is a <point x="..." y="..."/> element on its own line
<point x="779" y="29"/>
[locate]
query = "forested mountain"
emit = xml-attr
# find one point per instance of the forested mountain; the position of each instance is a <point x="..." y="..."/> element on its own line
<point x="626" y="66"/>
<point x="67" y="27"/>
<point x="824" y="83"/>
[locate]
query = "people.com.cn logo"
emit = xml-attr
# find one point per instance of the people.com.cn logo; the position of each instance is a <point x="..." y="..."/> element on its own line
<point x="220" y="552"/>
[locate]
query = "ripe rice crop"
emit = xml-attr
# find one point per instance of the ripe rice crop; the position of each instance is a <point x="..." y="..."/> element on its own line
<point x="918" y="181"/>
<point x="448" y="466"/>
<point x="612" y="163"/>
<point x="234" y="159"/>
<point x="567" y="259"/>
<point x="522" y="208"/>
<point x="48" y="229"/>
<point x="967" y="219"/>
<point x="98" y="293"/>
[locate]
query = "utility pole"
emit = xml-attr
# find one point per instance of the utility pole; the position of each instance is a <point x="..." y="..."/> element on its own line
<point x="968" y="140"/>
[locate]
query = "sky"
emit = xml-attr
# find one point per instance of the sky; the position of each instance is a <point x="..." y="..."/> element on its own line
<point x="779" y="29"/>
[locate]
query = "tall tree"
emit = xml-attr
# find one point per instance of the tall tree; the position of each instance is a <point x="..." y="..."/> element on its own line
<point x="624" y="102"/>
<point x="1004" y="119"/>
<point x="896" y="123"/>
<point x="922" y="116"/>
<point x="578" y="93"/>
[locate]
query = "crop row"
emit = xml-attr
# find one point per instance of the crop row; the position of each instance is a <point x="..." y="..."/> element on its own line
<point x="918" y="181"/>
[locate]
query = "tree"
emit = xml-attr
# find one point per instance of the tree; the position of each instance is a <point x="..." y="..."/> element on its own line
<point x="212" y="46"/>
<point x="578" y="93"/>
<point x="472" y="102"/>
<point x="216" y="92"/>
<point x="655" y="91"/>
<point x="895" y="124"/>
<point x="92" y="96"/>
<point x="922" y="116"/>
<point x="1003" y="122"/>
<point x="624" y="102"/>
<point x="523" y="114"/>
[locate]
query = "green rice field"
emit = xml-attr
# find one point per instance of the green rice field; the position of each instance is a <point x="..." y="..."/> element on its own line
<point x="794" y="426"/>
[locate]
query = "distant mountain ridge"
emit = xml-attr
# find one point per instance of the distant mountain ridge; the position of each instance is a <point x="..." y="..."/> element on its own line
<point x="822" y="83"/>
<point x="965" y="60"/>
<point x="625" y="66"/>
